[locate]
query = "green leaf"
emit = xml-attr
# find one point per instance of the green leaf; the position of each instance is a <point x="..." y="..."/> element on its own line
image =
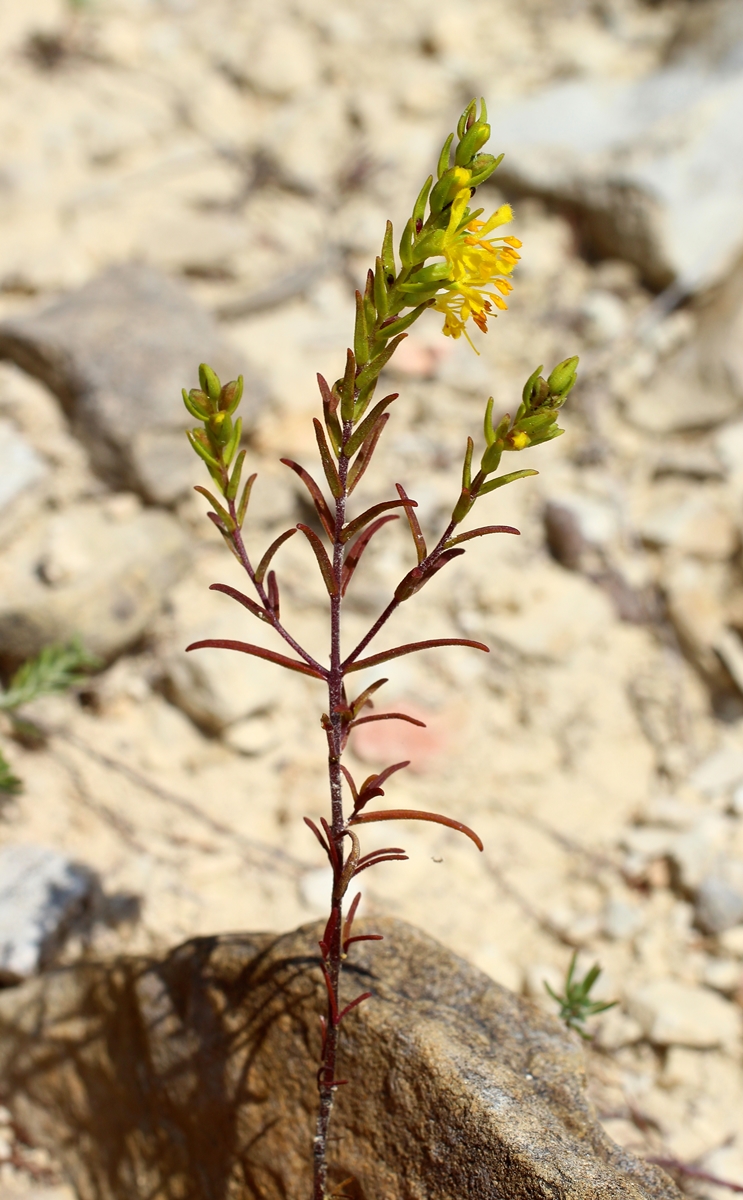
<point x="202" y="451"/>
<point x="326" y="569"/>
<point x="329" y="467"/>
<point x="219" y="509"/>
<point x="55" y="669"/>
<point x="388" y="253"/>
<point x="444" y="157"/>
<point x="360" y="333"/>
<point x="10" y="784"/>
<point x="362" y="431"/>
<point x="234" y="483"/>
<point x="492" y="484"/>
<point x="245" y="499"/>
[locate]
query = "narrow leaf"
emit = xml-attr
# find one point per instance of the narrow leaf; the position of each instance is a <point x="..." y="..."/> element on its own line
<point x="234" y="483"/>
<point x="246" y="602"/>
<point x="227" y="521"/>
<point x="363" y="937"/>
<point x="467" y="468"/>
<point x="372" y="369"/>
<point x="243" y="508"/>
<point x="380" y="858"/>
<point x="317" y="834"/>
<point x="358" y="523"/>
<point x="395" y="324"/>
<point x="364" y="456"/>
<point x="410" y="814"/>
<point x="481" y="532"/>
<point x="492" y="484"/>
<point x="390" y="716"/>
<point x="362" y="431"/>
<point x="323" y="561"/>
<point x="348" y="923"/>
<point x="364" y="698"/>
<point x="281" y="660"/>
<point x="388" y="254"/>
<point x="202" y="451"/>
<point x="273" y="594"/>
<point x="360" y="335"/>
<point x="349" y="1007"/>
<point x="415" y="529"/>
<point x="328" y="466"/>
<point x="411" y="648"/>
<point x="443" y="164"/>
<point x="355" y="551"/>
<point x="380" y="290"/>
<point x="318" y="499"/>
<point x="350" y="782"/>
<point x="265" y="561"/>
<point x="348" y="388"/>
<point x="376" y="853"/>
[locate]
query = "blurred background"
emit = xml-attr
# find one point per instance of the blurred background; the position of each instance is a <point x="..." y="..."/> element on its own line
<point x="183" y="180"/>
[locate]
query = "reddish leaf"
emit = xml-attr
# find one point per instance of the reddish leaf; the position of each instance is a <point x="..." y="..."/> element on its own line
<point x="364" y="697"/>
<point x="265" y="561"/>
<point x="376" y="781"/>
<point x="246" y="602"/>
<point x="292" y="664"/>
<point x="410" y="814"/>
<point x="328" y="466"/>
<point x="359" y="1000"/>
<point x="317" y="834"/>
<point x="380" y="858"/>
<point x="358" y="523"/>
<point x="350" y="782"/>
<point x="323" y="561"/>
<point x="415" y="529"/>
<point x="481" y="532"/>
<point x="410" y="648"/>
<point x="390" y="716"/>
<point x="273" y="594"/>
<point x="318" y="499"/>
<point x="355" y="551"/>
<point x="364" y="456"/>
<point x="348" y="923"/>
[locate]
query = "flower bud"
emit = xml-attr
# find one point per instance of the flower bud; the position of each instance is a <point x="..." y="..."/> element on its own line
<point x="209" y="381"/>
<point x="473" y="140"/>
<point x="450" y="183"/>
<point x="563" y="377"/>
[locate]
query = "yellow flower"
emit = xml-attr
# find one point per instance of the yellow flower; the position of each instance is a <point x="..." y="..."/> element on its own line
<point x="478" y="263"/>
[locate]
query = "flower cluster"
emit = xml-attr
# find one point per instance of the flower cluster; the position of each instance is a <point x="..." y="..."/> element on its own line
<point x="477" y="264"/>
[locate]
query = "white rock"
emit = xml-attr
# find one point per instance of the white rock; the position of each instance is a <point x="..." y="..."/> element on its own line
<point x="695" y="851"/>
<point x="718" y="903"/>
<point x="622" y="920"/>
<point x="315" y="888"/>
<point x="731" y="941"/>
<point x="87" y="572"/>
<point x="724" y="975"/>
<point x="680" y="1014"/>
<point x="615" y="1029"/>
<point x="40" y="891"/>
<point x="604" y="316"/>
<point x="217" y="688"/>
<point x="638" y="156"/>
<point x="720" y="771"/>
<point x="697" y="523"/>
<point x="20" y="465"/>
<point x="542" y="612"/>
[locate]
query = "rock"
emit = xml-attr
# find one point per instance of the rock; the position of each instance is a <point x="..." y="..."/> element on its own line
<point x="694" y="522"/>
<point x="195" y="1076"/>
<point x="217" y="688"/>
<point x="719" y="771"/>
<point x="98" y="569"/>
<point x="680" y="1014"/>
<point x="626" y="158"/>
<point x="718" y="903"/>
<point x="622" y="920"/>
<point x="117" y="354"/>
<point x="724" y="975"/>
<point x="20" y="465"/>
<point x="41" y="891"/>
<point x="694" y="852"/>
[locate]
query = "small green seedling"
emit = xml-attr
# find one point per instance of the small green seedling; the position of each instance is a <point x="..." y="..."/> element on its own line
<point x="55" y="669"/>
<point x="575" y="1002"/>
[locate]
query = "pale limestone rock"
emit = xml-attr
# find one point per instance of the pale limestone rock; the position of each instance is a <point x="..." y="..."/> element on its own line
<point x="41" y="891"/>
<point x="695" y="522"/>
<point x="680" y="1014"/>
<point x="90" y="570"/>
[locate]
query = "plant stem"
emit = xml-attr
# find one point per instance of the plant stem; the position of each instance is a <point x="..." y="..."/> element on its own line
<point x="326" y="1074"/>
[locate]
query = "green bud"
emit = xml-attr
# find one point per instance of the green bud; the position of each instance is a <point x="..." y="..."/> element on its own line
<point x="482" y="167"/>
<point x="220" y="428"/>
<point x="491" y="458"/>
<point x="563" y="377"/>
<point x="531" y="385"/>
<point x="209" y="381"/>
<point x="473" y="140"/>
<point x="231" y="395"/>
<point x="451" y="182"/>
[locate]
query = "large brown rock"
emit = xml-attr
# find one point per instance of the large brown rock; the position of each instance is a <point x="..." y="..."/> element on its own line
<point x="192" y="1078"/>
<point x="116" y="353"/>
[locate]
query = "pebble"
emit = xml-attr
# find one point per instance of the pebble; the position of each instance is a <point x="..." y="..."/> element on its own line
<point x="41" y="891"/>
<point x="680" y="1014"/>
<point x="718" y="904"/>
